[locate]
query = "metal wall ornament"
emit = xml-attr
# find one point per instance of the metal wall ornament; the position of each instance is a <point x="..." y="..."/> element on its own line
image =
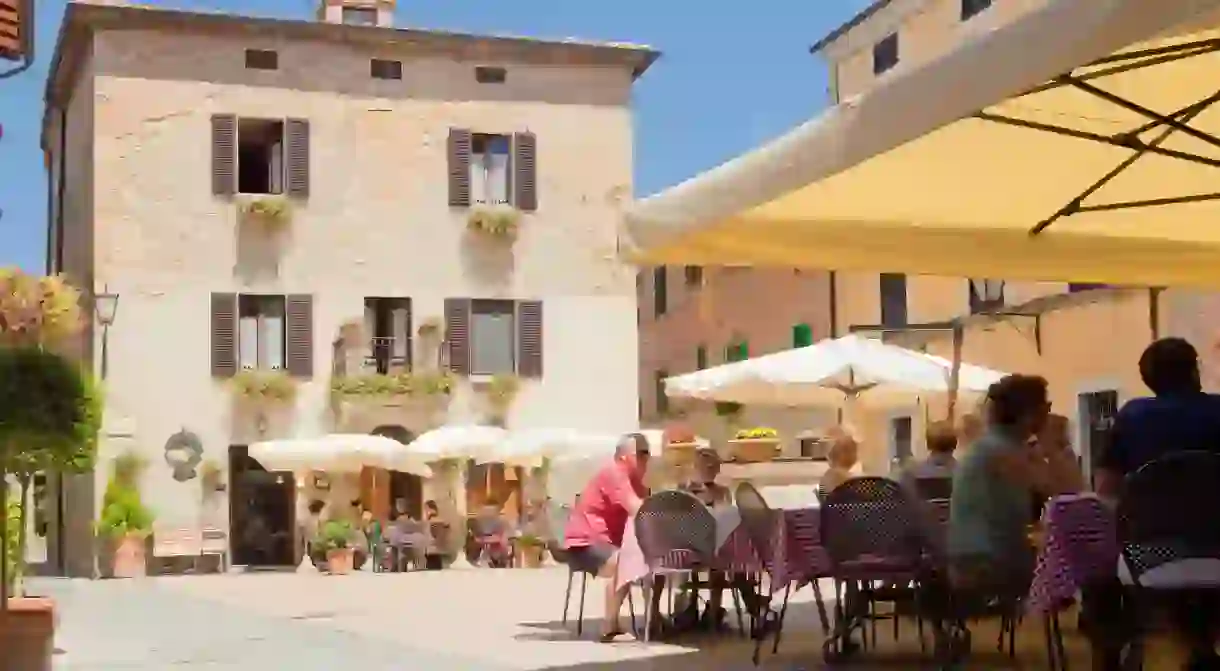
<point x="183" y="453"/>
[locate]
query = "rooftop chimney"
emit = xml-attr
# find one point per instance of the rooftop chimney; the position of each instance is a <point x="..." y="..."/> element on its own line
<point x="357" y="12"/>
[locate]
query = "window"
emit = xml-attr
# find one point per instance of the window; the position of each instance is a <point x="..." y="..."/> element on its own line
<point x="490" y="168"/>
<point x="694" y="276"/>
<point x="701" y="357"/>
<point x="900" y="435"/>
<point x="360" y="16"/>
<point x="737" y="351"/>
<point x="260" y="332"/>
<point x="893" y="299"/>
<point x="986" y="295"/>
<point x="493" y="337"/>
<point x="814" y="448"/>
<point x="885" y="53"/>
<point x="388" y="323"/>
<point x="1077" y="287"/>
<point x="660" y="291"/>
<point x="802" y="335"/>
<point x="661" y="401"/>
<point x="379" y="69"/>
<point x="972" y="7"/>
<point x="262" y="59"/>
<point x="260" y="156"/>
<point x="490" y="75"/>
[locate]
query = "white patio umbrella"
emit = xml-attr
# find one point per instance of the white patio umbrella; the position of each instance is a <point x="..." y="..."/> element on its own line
<point x="831" y="372"/>
<point x="458" y="441"/>
<point x="528" y="447"/>
<point x="338" y="453"/>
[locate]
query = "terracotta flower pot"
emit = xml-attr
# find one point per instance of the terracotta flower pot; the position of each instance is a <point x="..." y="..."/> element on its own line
<point x="754" y="450"/>
<point x="340" y="561"/>
<point x="530" y="556"/>
<point x="129" y="559"/>
<point x="27" y="634"/>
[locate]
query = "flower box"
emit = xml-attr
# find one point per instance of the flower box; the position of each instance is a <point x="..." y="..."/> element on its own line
<point x="753" y="450"/>
<point x="680" y="453"/>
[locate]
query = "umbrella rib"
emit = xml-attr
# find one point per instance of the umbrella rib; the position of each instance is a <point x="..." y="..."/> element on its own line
<point x="1132" y="106"/>
<point x="1076" y="205"/>
<point x="1130" y="61"/>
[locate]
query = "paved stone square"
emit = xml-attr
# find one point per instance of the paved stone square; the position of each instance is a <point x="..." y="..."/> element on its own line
<point x="476" y="620"/>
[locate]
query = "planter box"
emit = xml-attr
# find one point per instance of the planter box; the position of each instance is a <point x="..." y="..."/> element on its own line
<point x="340" y="562"/>
<point x="679" y="454"/>
<point x="130" y="558"/>
<point x="530" y="556"/>
<point x="753" y="450"/>
<point x="27" y="634"/>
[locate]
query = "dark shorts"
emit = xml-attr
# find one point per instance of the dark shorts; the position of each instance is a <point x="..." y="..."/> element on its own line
<point x="590" y="558"/>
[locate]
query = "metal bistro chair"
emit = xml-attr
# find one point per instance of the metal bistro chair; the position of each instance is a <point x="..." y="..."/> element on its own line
<point x="677" y="534"/>
<point x="1164" y="518"/>
<point x="870" y="532"/>
<point x="558" y="516"/>
<point x="762" y="525"/>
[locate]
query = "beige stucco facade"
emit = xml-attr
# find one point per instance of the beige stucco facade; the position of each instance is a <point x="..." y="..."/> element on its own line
<point x="140" y="220"/>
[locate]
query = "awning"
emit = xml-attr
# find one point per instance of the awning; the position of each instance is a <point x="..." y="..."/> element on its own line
<point x="1106" y="172"/>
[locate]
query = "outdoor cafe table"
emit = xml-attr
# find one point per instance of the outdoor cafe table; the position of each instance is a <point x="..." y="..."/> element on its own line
<point x="798" y="554"/>
<point x="1081" y="548"/>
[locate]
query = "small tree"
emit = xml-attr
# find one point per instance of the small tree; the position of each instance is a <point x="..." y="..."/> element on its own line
<point x="50" y="410"/>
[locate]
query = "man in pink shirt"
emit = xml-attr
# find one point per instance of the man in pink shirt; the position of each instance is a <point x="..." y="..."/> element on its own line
<point x="595" y="528"/>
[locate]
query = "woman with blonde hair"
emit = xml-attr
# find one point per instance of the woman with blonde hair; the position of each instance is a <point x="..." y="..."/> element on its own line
<point x="843" y="455"/>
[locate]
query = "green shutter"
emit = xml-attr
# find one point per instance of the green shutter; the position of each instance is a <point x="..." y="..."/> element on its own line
<point x="743" y="351"/>
<point x="802" y="335"/>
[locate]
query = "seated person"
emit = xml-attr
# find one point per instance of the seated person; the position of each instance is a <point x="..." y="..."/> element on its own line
<point x="702" y="481"/>
<point x="595" y="528"/>
<point x="940" y="462"/>
<point x="493" y="533"/>
<point x="438" y="528"/>
<point x="988" y="544"/>
<point x="843" y="456"/>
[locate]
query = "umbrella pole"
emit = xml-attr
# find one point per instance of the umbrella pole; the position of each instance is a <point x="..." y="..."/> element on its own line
<point x="955" y="372"/>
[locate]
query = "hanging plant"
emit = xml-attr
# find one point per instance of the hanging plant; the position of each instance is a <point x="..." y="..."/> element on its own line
<point x="271" y="210"/>
<point x="502" y="391"/>
<point x="260" y="385"/>
<point x="500" y="221"/>
<point x="427" y="384"/>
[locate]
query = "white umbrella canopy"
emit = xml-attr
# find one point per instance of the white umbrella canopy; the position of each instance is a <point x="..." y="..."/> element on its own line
<point x="458" y="441"/>
<point x="528" y="447"/>
<point x="830" y="372"/>
<point x="338" y="453"/>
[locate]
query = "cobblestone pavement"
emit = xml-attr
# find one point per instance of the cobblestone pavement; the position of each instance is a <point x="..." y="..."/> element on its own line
<point x="468" y="620"/>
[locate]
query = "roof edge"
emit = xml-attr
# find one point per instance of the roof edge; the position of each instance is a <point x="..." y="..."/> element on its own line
<point x="834" y="35"/>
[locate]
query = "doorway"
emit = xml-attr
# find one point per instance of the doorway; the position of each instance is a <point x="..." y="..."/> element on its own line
<point x="901" y="447"/>
<point x="262" y="513"/>
<point x="1097" y="410"/>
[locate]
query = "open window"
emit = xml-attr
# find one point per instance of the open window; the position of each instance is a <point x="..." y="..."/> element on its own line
<point x="490" y="167"/>
<point x="260" y="156"/>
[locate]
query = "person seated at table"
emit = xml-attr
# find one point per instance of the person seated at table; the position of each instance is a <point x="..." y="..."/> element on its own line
<point x="1178" y="417"/>
<point x="595" y="528"/>
<point x="438" y="530"/>
<point x="702" y="481"/>
<point x="940" y="462"/>
<point x="989" y="512"/>
<point x="842" y="458"/>
<point x="493" y="533"/>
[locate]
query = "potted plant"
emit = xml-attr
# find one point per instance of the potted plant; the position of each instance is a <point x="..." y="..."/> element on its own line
<point x="530" y="549"/>
<point x="272" y="211"/>
<point x="125" y="522"/>
<point x="431" y="327"/>
<point x="679" y="443"/>
<point x="501" y="221"/>
<point x="50" y="414"/>
<point x="335" y="538"/>
<point x="501" y="392"/>
<point x="755" y="445"/>
<point x="211" y="478"/>
<point x="264" y="386"/>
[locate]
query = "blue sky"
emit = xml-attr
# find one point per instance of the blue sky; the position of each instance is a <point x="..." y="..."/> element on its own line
<point x="731" y="76"/>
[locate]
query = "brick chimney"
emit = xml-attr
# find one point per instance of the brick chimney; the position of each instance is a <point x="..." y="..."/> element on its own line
<point x="357" y="12"/>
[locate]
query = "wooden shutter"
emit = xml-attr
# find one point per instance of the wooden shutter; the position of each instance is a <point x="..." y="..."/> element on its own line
<point x="224" y="154"/>
<point x="459" y="167"/>
<point x="296" y="152"/>
<point x="224" y="335"/>
<point x="525" y="171"/>
<point x="529" y="338"/>
<point x="457" y="333"/>
<point x="298" y="335"/>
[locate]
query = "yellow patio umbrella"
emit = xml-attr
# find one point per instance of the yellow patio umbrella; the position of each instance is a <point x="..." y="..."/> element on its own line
<point x="1078" y="143"/>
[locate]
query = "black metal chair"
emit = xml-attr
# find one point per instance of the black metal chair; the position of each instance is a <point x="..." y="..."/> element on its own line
<point x="677" y="534"/>
<point x="558" y="524"/>
<point x="1165" y="517"/>
<point x="761" y="525"/>
<point x="871" y="532"/>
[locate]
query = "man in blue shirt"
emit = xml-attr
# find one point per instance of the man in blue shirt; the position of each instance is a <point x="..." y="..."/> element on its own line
<point x="1179" y="417"/>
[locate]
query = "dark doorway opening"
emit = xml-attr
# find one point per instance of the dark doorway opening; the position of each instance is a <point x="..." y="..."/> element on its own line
<point x="262" y="513"/>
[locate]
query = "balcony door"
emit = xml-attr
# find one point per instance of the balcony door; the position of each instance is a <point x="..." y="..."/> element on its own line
<point x="387" y="322"/>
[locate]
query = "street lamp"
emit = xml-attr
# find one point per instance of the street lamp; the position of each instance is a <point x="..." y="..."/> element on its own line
<point x="105" y="307"/>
